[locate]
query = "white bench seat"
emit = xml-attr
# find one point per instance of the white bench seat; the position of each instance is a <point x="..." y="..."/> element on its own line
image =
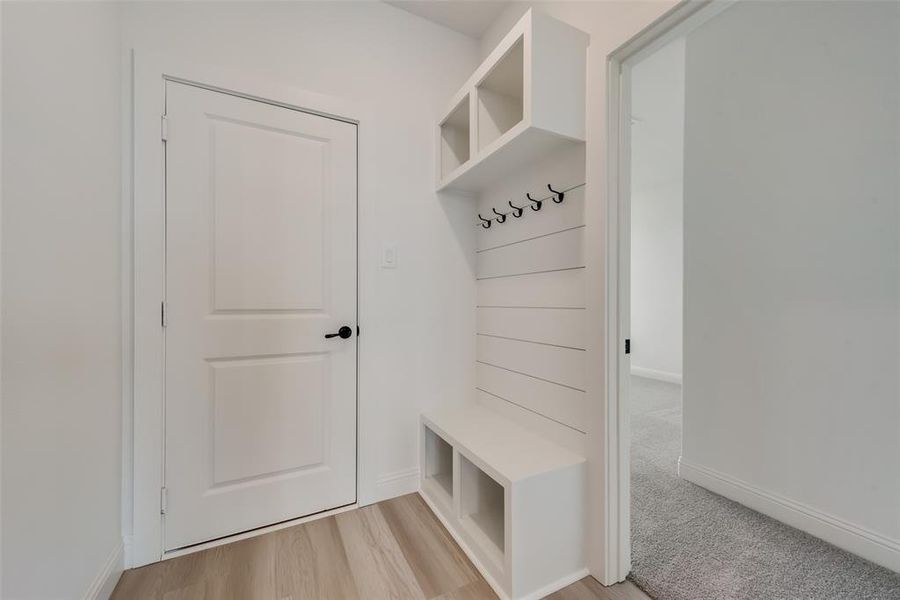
<point x="514" y="501"/>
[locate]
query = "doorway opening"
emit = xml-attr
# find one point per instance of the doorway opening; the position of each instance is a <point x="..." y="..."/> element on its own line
<point x="740" y="235"/>
<point x="656" y="183"/>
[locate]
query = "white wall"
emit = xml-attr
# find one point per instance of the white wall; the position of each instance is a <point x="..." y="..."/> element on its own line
<point x="530" y="344"/>
<point x="417" y="347"/>
<point x="792" y="259"/>
<point x="657" y="174"/>
<point x="60" y="299"/>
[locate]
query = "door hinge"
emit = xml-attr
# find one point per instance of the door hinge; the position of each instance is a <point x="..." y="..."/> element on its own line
<point x="162" y="314"/>
<point x="627" y="346"/>
<point x="164" y="128"/>
<point x="163" y="500"/>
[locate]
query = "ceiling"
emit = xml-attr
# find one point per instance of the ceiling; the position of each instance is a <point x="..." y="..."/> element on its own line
<point x="470" y="17"/>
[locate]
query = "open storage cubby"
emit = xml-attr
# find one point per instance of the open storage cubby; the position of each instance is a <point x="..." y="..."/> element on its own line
<point x="439" y="462"/>
<point x="525" y="99"/>
<point x="500" y="96"/>
<point x="481" y="504"/>
<point x="455" y="141"/>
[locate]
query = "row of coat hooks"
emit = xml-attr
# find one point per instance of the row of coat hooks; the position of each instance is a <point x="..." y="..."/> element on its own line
<point x="557" y="197"/>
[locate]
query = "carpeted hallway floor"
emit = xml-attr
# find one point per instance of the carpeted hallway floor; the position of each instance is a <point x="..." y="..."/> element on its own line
<point x="691" y="544"/>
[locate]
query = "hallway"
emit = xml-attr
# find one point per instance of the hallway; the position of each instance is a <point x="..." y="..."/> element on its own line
<point x="691" y="544"/>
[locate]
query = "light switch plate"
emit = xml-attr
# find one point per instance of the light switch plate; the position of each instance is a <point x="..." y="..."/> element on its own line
<point x="389" y="257"/>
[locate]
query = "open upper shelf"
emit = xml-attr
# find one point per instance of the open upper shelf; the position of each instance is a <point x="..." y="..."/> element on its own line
<point x="501" y="96"/>
<point x="527" y="97"/>
<point x="455" y="145"/>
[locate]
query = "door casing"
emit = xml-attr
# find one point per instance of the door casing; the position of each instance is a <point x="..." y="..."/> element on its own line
<point x="610" y="461"/>
<point x="143" y="276"/>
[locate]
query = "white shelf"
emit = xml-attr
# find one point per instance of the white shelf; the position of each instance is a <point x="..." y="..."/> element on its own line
<point x="438" y="469"/>
<point x="501" y="96"/>
<point x="482" y="502"/>
<point x="527" y="97"/>
<point x="455" y="144"/>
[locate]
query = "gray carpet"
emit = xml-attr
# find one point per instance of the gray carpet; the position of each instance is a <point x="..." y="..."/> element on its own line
<point x="691" y="544"/>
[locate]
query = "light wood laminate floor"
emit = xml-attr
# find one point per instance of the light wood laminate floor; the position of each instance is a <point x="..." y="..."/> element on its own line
<point x="395" y="549"/>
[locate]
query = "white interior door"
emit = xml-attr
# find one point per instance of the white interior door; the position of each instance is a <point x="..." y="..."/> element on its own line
<point x="260" y="266"/>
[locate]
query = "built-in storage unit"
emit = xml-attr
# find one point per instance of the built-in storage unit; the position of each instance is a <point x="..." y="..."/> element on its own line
<point x="455" y="145"/>
<point x="517" y="505"/>
<point x="501" y="96"/>
<point x="505" y="475"/>
<point x="437" y="472"/>
<point x="526" y="98"/>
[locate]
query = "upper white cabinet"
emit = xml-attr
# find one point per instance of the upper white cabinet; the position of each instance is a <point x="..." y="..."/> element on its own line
<point x="526" y="97"/>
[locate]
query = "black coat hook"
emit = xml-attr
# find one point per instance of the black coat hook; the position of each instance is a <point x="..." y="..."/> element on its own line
<point x="560" y="196"/>
<point x="517" y="210"/>
<point x="536" y="204"/>
<point x="486" y="223"/>
<point x="501" y="217"/>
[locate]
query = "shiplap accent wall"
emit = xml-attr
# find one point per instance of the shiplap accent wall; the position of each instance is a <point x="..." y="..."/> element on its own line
<point x="530" y="360"/>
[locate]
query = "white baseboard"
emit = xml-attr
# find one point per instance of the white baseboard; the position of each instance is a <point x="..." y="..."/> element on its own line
<point x="397" y="484"/>
<point x="473" y="557"/>
<point x="486" y="573"/>
<point x="105" y="582"/>
<point x="853" y="538"/>
<point x="658" y="375"/>
<point x="557" y="585"/>
<point x="128" y="541"/>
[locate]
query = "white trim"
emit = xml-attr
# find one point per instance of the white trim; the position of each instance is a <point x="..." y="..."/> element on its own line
<point x="145" y="172"/>
<point x="105" y="582"/>
<point x="557" y="585"/>
<point x="654" y="374"/>
<point x="843" y="534"/>
<point x="258" y="532"/>
<point x="473" y="557"/>
<point x="607" y="247"/>
<point x="397" y="484"/>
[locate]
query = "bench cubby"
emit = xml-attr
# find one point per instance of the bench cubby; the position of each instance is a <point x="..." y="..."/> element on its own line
<point x="517" y="501"/>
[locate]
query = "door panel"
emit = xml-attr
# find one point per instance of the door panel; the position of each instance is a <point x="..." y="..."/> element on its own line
<point x="261" y="263"/>
<point x="261" y="223"/>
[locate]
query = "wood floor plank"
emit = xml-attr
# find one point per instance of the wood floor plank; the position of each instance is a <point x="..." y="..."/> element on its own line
<point x="242" y="570"/>
<point x="311" y="562"/>
<point x="477" y="590"/>
<point x="187" y="577"/>
<point x="145" y="583"/>
<point x="378" y="565"/>
<point x="392" y="550"/>
<point x="439" y="565"/>
<point x="589" y="589"/>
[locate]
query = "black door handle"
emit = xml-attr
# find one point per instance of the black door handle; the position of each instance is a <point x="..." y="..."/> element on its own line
<point x="343" y="333"/>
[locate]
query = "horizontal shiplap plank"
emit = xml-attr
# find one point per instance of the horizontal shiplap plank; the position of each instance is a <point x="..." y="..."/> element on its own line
<point x="559" y="403"/>
<point x="559" y="365"/>
<point x="557" y="326"/>
<point x="552" y="217"/>
<point x="562" y="250"/>
<point x="562" y="289"/>
<point x="542" y="426"/>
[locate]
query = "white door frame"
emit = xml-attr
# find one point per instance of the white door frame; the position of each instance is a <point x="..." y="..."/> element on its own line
<point x="615" y="461"/>
<point x="144" y="284"/>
